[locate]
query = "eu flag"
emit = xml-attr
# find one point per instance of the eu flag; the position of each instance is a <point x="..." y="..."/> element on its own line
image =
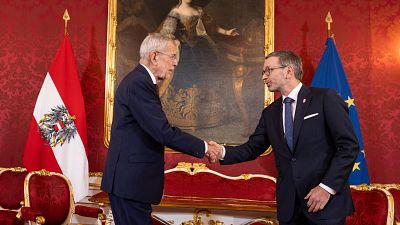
<point x="330" y="74"/>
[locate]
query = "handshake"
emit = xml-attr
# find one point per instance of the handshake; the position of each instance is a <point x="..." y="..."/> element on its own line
<point x="215" y="152"/>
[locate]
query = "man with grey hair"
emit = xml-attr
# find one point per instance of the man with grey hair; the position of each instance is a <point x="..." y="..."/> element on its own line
<point x="313" y="142"/>
<point x="133" y="175"/>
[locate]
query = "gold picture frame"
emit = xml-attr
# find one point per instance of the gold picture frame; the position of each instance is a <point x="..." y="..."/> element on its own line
<point x="232" y="53"/>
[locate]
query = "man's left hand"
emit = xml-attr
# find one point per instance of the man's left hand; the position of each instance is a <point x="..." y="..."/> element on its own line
<point x="214" y="152"/>
<point x="317" y="199"/>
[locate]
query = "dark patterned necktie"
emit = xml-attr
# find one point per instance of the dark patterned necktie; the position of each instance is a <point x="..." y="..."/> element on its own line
<point x="289" y="122"/>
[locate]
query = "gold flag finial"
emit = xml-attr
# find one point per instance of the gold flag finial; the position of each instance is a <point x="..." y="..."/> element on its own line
<point x="66" y="18"/>
<point x="328" y="20"/>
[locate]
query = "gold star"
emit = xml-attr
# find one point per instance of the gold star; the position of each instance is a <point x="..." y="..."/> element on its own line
<point x="356" y="166"/>
<point x="350" y="101"/>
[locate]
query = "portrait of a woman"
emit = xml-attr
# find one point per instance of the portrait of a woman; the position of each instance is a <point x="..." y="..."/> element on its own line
<point x="215" y="84"/>
<point x="189" y="99"/>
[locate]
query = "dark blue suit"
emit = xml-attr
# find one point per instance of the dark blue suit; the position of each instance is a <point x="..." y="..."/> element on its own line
<point x="325" y="149"/>
<point x="135" y="163"/>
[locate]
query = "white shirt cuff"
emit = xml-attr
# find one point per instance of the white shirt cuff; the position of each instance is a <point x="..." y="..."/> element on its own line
<point x="328" y="189"/>
<point x="223" y="153"/>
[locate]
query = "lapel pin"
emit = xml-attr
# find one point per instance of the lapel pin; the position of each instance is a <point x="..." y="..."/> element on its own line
<point x="304" y="100"/>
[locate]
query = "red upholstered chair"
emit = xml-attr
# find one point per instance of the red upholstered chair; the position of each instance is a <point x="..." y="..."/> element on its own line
<point x="197" y="183"/>
<point x="49" y="200"/>
<point x="374" y="206"/>
<point x="394" y="189"/>
<point x="11" y="194"/>
<point x="196" y="186"/>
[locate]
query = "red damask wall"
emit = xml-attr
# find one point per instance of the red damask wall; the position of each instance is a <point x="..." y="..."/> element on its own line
<point x="367" y="37"/>
<point x="32" y="31"/>
<point x="366" y="34"/>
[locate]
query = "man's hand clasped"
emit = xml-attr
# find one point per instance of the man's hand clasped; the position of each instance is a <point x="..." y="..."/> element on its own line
<point x="214" y="152"/>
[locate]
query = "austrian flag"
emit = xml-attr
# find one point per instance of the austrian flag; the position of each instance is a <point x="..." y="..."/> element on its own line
<point x="57" y="139"/>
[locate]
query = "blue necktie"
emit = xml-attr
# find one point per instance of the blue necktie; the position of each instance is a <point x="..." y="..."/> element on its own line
<point x="288" y="122"/>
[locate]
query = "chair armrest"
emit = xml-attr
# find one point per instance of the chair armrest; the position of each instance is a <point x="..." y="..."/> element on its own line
<point x="29" y="214"/>
<point x="91" y="212"/>
<point x="88" y="211"/>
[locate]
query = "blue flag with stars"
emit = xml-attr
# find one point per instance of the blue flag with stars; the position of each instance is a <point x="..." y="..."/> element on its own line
<point x="330" y="74"/>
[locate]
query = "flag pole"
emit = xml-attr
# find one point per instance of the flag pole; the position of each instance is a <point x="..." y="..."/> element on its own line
<point x="66" y="18"/>
<point x="328" y="20"/>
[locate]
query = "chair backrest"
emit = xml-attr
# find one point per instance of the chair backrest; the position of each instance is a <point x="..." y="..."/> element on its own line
<point x="189" y="181"/>
<point x="51" y="194"/>
<point x="12" y="187"/>
<point x="374" y="206"/>
<point x="204" y="182"/>
<point x="394" y="189"/>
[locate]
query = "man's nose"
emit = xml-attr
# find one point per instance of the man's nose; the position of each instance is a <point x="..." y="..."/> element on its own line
<point x="264" y="76"/>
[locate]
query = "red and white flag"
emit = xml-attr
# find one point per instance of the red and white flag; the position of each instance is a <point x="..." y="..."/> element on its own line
<point x="57" y="139"/>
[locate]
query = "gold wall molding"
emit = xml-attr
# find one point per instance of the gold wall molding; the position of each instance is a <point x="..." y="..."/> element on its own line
<point x="269" y="24"/>
<point x="110" y="70"/>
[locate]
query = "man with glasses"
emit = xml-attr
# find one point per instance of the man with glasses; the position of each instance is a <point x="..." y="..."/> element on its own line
<point x="133" y="175"/>
<point x="313" y="142"/>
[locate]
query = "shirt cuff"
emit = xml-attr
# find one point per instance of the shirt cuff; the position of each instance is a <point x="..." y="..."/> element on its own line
<point x="223" y="153"/>
<point x="205" y="147"/>
<point x="328" y="189"/>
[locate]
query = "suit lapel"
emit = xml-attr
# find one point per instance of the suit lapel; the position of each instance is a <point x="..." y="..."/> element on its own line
<point x="303" y="101"/>
<point x="280" y="121"/>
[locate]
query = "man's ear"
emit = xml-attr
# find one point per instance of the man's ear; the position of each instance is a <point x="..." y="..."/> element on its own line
<point x="290" y="71"/>
<point x="153" y="57"/>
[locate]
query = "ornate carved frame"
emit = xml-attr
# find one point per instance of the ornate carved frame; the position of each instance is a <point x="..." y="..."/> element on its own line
<point x="111" y="56"/>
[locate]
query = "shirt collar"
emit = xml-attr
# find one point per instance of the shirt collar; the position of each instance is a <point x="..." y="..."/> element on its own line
<point x="294" y="93"/>
<point x="153" y="78"/>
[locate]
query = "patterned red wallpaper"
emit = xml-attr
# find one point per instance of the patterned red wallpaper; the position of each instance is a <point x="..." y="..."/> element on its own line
<point x="366" y="34"/>
<point x="32" y="31"/>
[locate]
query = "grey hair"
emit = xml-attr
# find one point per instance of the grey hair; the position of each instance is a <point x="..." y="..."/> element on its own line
<point x="154" y="42"/>
<point x="287" y="58"/>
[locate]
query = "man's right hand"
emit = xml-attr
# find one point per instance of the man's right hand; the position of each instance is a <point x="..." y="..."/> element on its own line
<point x="214" y="152"/>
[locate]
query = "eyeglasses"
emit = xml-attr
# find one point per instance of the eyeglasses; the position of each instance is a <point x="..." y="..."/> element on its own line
<point x="171" y="56"/>
<point x="268" y="70"/>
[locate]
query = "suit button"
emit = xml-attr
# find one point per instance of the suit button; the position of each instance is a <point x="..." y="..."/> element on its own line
<point x="293" y="159"/>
